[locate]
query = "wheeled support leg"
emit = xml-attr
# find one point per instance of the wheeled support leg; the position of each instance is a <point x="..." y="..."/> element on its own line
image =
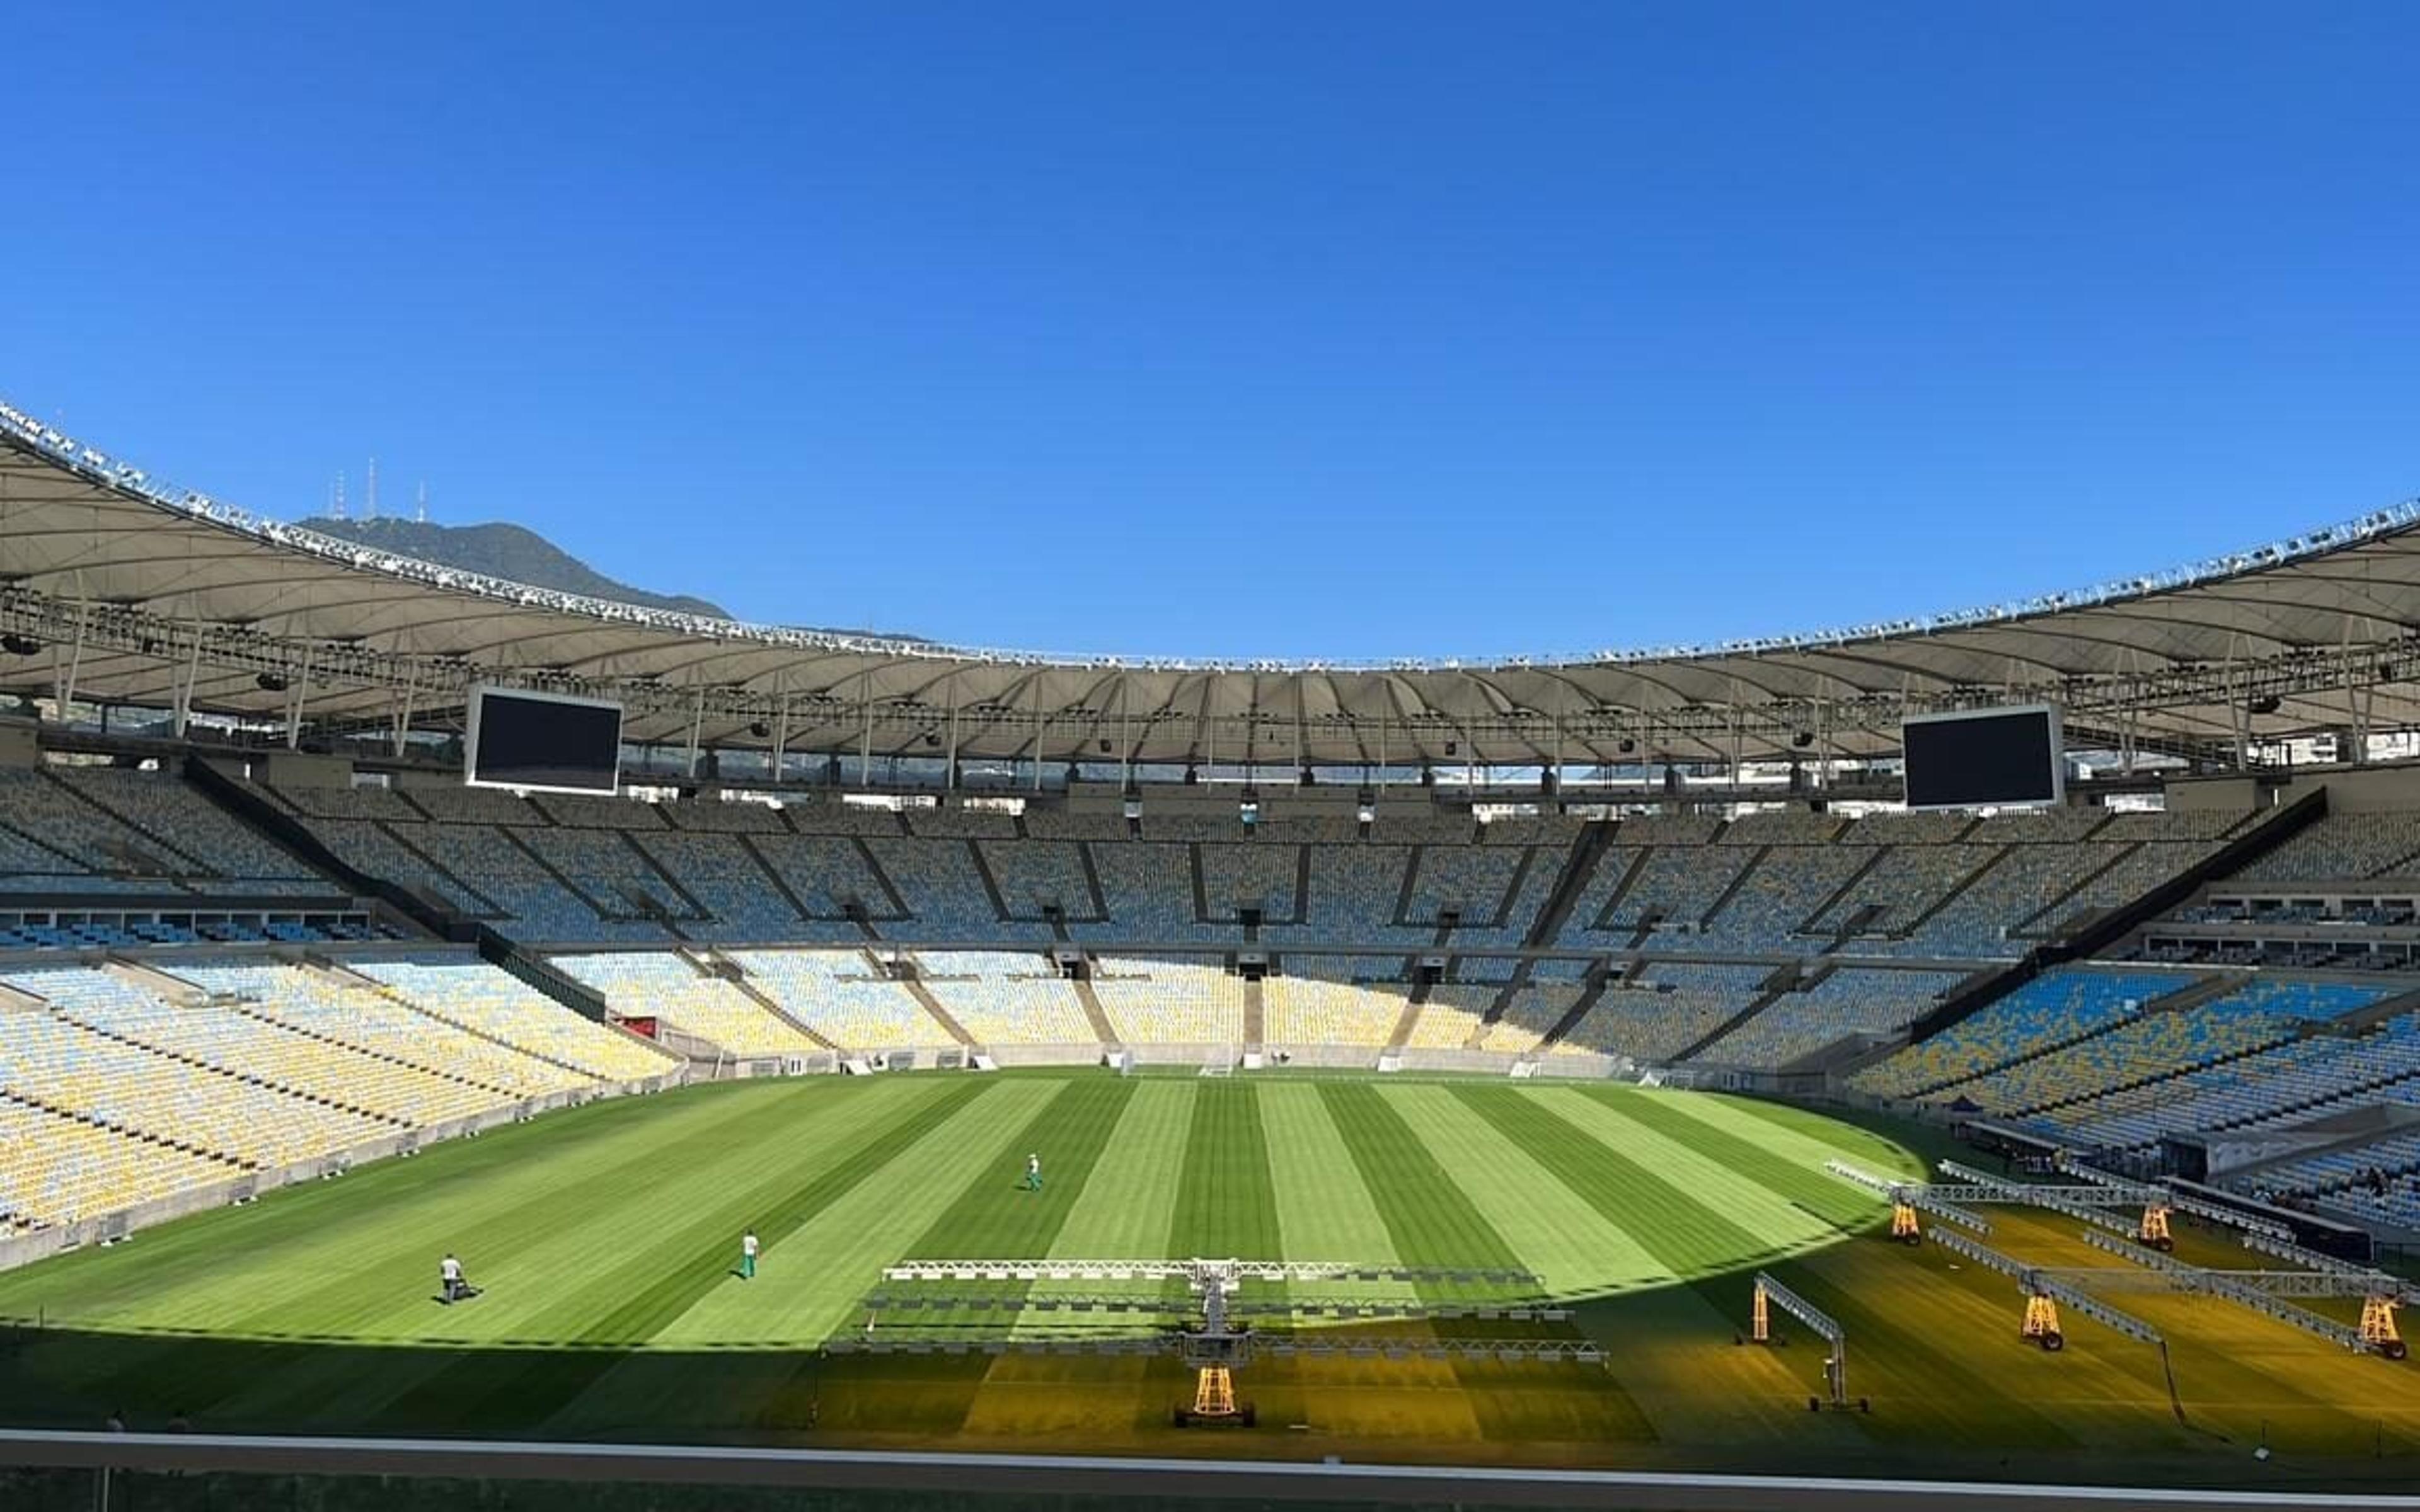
<point x="2041" y="1323"/>
<point x="2378" y="1330"/>
<point x="1903" y="1224"/>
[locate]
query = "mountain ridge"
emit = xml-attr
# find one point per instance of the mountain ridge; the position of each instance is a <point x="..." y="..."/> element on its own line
<point x="516" y="554"/>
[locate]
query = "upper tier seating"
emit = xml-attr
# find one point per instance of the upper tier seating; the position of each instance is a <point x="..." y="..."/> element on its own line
<point x="2343" y="847"/>
<point x="74" y="830"/>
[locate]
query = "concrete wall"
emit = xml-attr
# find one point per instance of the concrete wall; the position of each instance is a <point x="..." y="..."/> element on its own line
<point x="20" y="743"/>
<point x="2376" y="791"/>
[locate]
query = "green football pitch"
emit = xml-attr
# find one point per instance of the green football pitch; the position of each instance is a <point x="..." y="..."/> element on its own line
<point x="606" y="1242"/>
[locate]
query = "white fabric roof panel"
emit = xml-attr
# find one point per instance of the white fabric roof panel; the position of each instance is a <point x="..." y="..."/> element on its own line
<point x="167" y="588"/>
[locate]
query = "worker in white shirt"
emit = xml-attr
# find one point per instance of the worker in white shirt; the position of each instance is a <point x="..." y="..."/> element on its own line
<point x="748" y="1256"/>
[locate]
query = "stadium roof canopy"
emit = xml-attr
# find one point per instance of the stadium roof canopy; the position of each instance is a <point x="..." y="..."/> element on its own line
<point x="118" y="588"/>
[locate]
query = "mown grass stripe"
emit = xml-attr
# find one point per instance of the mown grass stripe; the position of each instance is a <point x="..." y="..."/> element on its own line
<point x="1443" y="1219"/>
<point x="359" y="1255"/>
<point x="1780" y="1195"/>
<point x="1430" y="1219"/>
<point x="1577" y="1248"/>
<point x="520" y="1207"/>
<point x="626" y="1304"/>
<point x="1225" y="1205"/>
<point x="811" y="1282"/>
<point x="1128" y="1199"/>
<point x="1683" y="1231"/>
<point x="1792" y="1133"/>
<point x="1325" y="1207"/>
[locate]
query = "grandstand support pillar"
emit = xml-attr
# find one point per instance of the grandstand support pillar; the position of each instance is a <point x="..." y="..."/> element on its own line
<point x="1036" y="684"/>
<point x="696" y="727"/>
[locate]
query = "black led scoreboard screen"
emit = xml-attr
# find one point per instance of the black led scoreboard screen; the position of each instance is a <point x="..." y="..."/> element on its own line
<point x="544" y="741"/>
<point x="1994" y="757"/>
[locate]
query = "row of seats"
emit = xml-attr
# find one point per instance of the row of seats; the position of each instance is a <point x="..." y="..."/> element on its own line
<point x="153" y="1083"/>
<point x="1851" y="1001"/>
<point x="2060" y="1005"/>
<point x="136" y="933"/>
<point x="841" y="997"/>
<point x="657" y="984"/>
<point x="1170" y="1002"/>
<point x="1313" y="1011"/>
<point x="2065" y="1085"/>
<point x="1000" y="997"/>
<point x="2296" y="1081"/>
<point x="94" y="829"/>
<point x="56" y="1168"/>
<point x="1657" y="1014"/>
<point x="584" y="871"/>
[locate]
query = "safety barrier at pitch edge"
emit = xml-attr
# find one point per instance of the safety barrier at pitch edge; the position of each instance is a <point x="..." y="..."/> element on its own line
<point x="1078" y="1475"/>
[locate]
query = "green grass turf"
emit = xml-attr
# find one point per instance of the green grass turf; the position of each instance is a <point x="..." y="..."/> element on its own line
<point x="607" y="1239"/>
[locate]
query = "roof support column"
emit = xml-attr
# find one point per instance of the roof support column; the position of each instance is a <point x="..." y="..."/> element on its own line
<point x="1037" y="732"/>
<point x="403" y="714"/>
<point x="866" y="735"/>
<point x="294" y="705"/>
<point x="1385" y="701"/>
<point x="780" y="728"/>
<point x="696" y="727"/>
<point x="2239" y="708"/>
<point x="949" y="778"/>
<point x="75" y="659"/>
<point x="183" y="711"/>
<point x="1125" y="734"/>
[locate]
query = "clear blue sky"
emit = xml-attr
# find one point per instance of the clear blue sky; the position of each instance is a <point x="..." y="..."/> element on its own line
<point x="1285" y="330"/>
